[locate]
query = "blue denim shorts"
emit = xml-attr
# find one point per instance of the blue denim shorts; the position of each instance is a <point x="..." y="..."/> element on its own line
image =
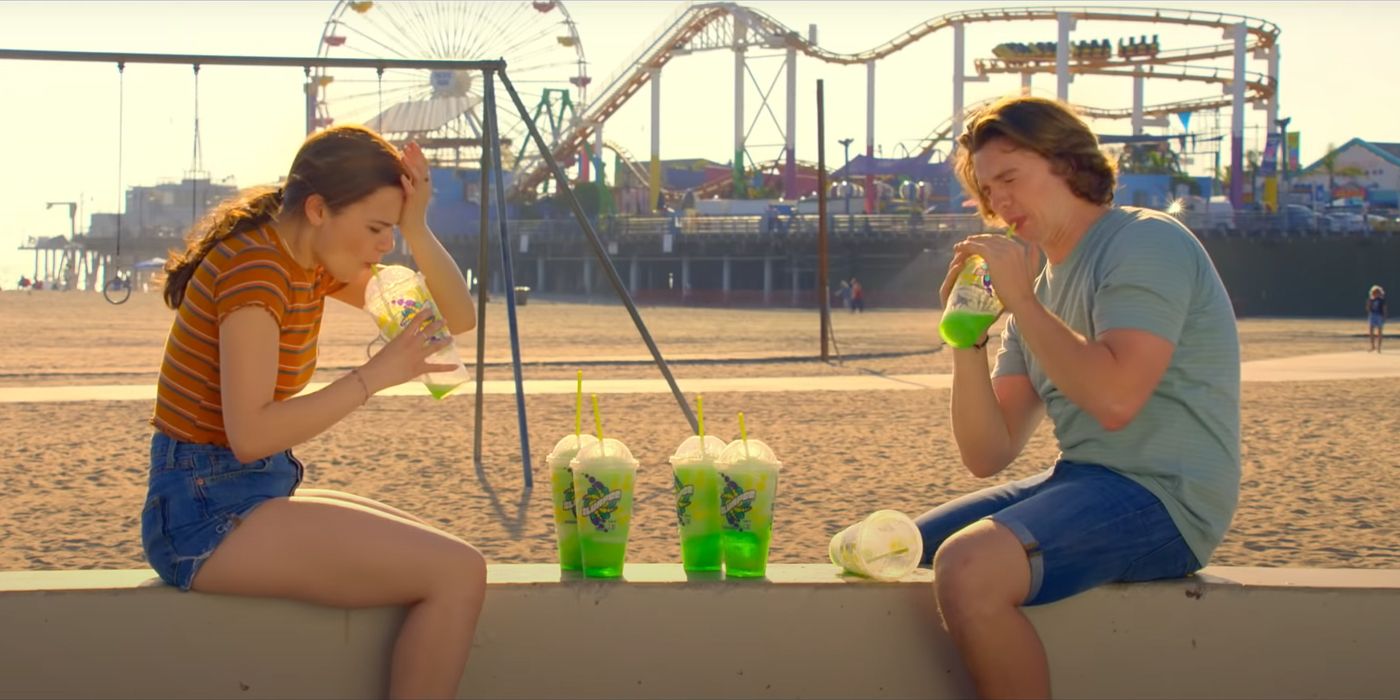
<point x="1082" y="525"/>
<point x="1377" y="320"/>
<point x="197" y="493"/>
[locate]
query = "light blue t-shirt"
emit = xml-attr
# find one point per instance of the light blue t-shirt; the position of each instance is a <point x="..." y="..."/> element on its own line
<point x="1141" y="269"/>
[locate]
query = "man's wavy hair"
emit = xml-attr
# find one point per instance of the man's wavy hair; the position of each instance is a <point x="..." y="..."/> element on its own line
<point x="1048" y="128"/>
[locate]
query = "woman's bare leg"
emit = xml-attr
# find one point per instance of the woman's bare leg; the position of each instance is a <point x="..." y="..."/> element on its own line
<point x="332" y="552"/>
<point x="361" y="500"/>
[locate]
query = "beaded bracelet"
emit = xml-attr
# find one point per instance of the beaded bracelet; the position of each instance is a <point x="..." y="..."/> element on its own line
<point x="363" y="384"/>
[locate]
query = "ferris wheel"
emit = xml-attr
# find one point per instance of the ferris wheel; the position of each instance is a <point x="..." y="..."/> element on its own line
<point x="442" y="110"/>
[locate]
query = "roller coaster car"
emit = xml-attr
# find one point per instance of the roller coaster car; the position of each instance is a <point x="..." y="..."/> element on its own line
<point x="1093" y="50"/>
<point x="1134" y="48"/>
<point x="1016" y="52"/>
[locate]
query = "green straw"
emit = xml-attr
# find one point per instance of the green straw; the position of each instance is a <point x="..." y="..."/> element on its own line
<point x="578" y="409"/>
<point x="598" y="422"/>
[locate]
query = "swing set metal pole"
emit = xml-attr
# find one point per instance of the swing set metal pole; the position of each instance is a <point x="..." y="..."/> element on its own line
<point x="494" y="135"/>
<point x="266" y="61"/>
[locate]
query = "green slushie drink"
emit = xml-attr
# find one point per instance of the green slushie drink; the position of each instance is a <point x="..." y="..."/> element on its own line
<point x="561" y="480"/>
<point x="748" y="472"/>
<point x="604" y="474"/>
<point x="394" y="296"/>
<point x="972" y="307"/>
<point x="697" y="502"/>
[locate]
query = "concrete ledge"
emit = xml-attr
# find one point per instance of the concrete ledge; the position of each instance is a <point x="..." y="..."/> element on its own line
<point x="805" y="632"/>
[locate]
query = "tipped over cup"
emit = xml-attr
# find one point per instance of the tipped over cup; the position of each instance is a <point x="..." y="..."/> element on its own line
<point x="886" y="546"/>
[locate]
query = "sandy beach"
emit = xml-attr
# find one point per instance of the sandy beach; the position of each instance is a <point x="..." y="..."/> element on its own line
<point x="1321" y="472"/>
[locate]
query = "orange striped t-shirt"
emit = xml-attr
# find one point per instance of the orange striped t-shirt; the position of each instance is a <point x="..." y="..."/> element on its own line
<point x="249" y="269"/>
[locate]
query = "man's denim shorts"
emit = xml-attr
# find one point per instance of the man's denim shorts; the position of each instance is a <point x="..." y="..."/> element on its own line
<point x="197" y="494"/>
<point x="1082" y="525"/>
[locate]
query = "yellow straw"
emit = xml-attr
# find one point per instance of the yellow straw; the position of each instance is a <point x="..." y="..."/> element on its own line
<point x="700" y="418"/>
<point x="578" y="408"/>
<point x="743" y="434"/>
<point x="598" y="421"/>
<point x="1011" y="231"/>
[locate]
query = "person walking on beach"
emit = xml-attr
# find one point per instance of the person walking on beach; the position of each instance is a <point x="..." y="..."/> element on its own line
<point x="1376" y="313"/>
<point x="225" y="512"/>
<point x="1127" y="341"/>
<point x="857" y="296"/>
<point x="844" y="294"/>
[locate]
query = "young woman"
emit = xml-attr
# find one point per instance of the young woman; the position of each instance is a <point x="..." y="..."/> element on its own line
<point x="1126" y="340"/>
<point x="225" y="512"/>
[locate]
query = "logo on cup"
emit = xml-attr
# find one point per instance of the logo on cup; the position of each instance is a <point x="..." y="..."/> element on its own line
<point x="408" y="308"/>
<point x="684" y="492"/>
<point x="569" y="506"/>
<point x="736" y="503"/>
<point x="600" y="504"/>
<point x="979" y="278"/>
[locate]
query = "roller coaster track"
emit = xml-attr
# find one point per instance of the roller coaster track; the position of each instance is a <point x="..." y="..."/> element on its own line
<point x="693" y="23"/>
<point x="627" y="160"/>
<point x="702" y="191"/>
<point x="1261" y="85"/>
<point x="941" y="132"/>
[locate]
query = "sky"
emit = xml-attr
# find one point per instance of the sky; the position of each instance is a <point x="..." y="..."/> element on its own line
<point x="59" y="121"/>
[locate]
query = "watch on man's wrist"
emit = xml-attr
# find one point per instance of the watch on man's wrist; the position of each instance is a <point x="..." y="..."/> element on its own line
<point x="982" y="343"/>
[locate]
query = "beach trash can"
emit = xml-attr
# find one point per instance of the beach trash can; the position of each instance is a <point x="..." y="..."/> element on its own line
<point x="522" y="295"/>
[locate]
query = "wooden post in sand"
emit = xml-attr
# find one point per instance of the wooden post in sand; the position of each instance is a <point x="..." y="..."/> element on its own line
<point x="823" y="295"/>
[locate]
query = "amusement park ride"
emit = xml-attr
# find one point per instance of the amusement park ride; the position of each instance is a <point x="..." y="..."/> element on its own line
<point x="540" y="42"/>
<point x="544" y="46"/>
<point x="442" y="109"/>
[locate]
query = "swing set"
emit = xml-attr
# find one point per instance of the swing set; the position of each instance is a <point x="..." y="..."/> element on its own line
<point x="118" y="288"/>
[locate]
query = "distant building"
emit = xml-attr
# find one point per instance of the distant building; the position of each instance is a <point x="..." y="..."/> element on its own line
<point x="676" y="174"/>
<point x="166" y="210"/>
<point x="1362" y="172"/>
